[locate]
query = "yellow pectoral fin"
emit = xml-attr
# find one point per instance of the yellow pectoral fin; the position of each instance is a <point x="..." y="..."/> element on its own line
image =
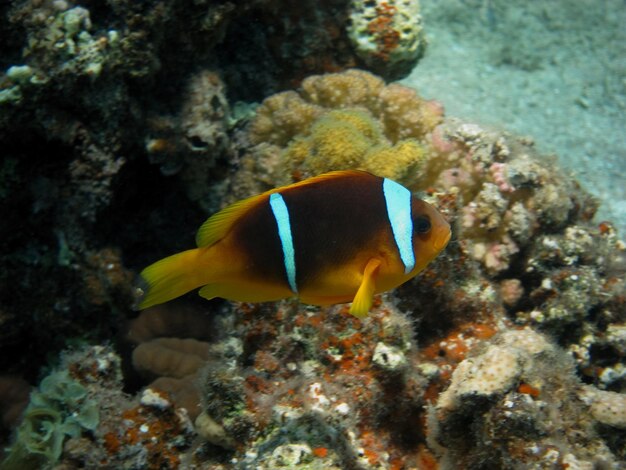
<point x="365" y="295"/>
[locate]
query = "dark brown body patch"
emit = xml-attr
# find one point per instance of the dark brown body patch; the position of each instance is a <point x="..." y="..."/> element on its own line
<point x="256" y="235"/>
<point x="332" y="220"/>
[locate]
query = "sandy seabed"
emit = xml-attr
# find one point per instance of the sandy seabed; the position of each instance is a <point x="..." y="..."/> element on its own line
<point x="552" y="70"/>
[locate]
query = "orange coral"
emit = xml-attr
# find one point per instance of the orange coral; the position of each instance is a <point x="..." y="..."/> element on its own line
<point x="142" y="426"/>
<point x="381" y="27"/>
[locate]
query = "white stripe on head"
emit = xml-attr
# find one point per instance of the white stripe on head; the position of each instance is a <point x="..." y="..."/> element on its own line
<point x="398" y="201"/>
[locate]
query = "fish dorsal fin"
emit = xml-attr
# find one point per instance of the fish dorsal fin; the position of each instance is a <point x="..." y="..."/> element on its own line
<point x="220" y="223"/>
<point x="325" y="177"/>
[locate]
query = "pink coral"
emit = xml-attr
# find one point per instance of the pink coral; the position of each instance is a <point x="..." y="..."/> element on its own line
<point x="499" y="255"/>
<point x="498" y="172"/>
<point x="440" y="141"/>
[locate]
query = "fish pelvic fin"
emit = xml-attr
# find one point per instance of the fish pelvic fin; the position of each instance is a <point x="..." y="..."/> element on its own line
<point x="364" y="297"/>
<point x="171" y="277"/>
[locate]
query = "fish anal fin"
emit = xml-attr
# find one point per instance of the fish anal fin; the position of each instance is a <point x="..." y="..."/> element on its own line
<point x="243" y="290"/>
<point x="210" y="291"/>
<point x="219" y="224"/>
<point x="365" y="294"/>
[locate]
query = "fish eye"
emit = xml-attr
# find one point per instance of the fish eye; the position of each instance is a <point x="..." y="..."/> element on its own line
<point x="421" y="224"/>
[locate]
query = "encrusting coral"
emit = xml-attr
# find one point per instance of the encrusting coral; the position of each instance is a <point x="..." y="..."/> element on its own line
<point x="606" y="407"/>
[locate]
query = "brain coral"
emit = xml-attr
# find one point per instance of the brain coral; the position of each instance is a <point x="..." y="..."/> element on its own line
<point x="341" y="121"/>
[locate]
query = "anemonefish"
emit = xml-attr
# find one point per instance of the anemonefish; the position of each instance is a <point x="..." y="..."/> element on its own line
<point x="338" y="237"/>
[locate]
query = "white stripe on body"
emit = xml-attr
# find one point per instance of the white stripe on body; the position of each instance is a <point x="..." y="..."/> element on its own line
<point x="281" y="214"/>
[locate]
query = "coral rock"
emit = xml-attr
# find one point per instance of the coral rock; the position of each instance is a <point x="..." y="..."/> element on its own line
<point x="492" y="373"/>
<point x="387" y="35"/>
<point x="606" y="407"/>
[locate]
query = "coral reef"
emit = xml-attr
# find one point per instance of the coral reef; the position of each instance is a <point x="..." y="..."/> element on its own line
<point x="121" y="132"/>
<point x="525" y="255"/>
<point x="507" y="196"/>
<point x="313" y="386"/>
<point x="517" y="331"/>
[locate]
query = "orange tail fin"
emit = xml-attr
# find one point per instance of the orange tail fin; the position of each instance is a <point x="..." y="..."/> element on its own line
<point x="171" y="277"/>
